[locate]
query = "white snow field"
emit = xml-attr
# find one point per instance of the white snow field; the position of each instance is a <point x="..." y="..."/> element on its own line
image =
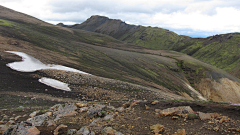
<point x="31" y="64"/>
<point x="54" y="83"/>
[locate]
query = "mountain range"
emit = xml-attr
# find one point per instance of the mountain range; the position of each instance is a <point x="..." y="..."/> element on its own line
<point x="155" y="58"/>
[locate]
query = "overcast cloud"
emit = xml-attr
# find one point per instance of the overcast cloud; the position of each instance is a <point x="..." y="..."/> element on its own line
<point x="196" y="18"/>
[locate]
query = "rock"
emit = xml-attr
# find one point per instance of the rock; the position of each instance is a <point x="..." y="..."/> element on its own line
<point x="132" y="104"/>
<point x="16" y="118"/>
<point x="147" y="107"/>
<point x="95" y="109"/>
<point x="83" y="109"/>
<point x="68" y="110"/>
<point x="83" y="131"/>
<point x="108" y="117"/>
<point x="157" y="129"/>
<point x="176" y="111"/>
<point x="81" y="105"/>
<point x="180" y="132"/>
<point x="110" y="131"/>
<point x="24" y="128"/>
<point x="216" y="128"/>
<point x="92" y="133"/>
<point x="157" y="110"/>
<point x="214" y="115"/>
<point x="3" y="128"/>
<point x="126" y="105"/>
<point x="51" y="123"/>
<point x="10" y="122"/>
<point x="71" y="131"/>
<point x="59" y="127"/>
<point x="154" y="102"/>
<point x="33" y="114"/>
<point x="56" y="107"/>
<point x="120" y="109"/>
<point x="94" y="122"/>
<point x="48" y="114"/>
<point x="175" y="117"/>
<point x="224" y="118"/>
<point x="38" y="120"/>
<point x="204" y="116"/>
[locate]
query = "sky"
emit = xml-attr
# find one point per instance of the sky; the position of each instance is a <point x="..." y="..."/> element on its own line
<point x="195" y="18"/>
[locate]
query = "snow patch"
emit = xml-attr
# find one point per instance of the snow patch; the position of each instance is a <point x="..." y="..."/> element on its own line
<point x="31" y="64"/>
<point x="55" y="83"/>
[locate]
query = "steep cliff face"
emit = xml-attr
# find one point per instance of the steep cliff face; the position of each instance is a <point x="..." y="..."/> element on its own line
<point x="225" y="90"/>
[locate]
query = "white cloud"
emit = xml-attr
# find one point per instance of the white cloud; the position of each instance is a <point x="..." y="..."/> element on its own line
<point x="189" y="16"/>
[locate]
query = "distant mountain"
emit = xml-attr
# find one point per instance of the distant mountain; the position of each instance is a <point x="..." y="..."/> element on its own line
<point x="101" y="55"/>
<point x="219" y="50"/>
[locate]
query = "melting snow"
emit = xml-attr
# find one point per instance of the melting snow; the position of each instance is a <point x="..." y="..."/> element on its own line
<point x="31" y="64"/>
<point x="54" y="83"/>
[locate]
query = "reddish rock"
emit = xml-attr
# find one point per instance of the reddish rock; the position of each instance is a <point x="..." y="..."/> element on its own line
<point x="175" y="117"/>
<point x="147" y="107"/>
<point x="154" y="102"/>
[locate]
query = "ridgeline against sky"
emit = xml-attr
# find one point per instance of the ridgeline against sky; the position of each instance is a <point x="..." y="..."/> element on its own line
<point x="195" y="18"/>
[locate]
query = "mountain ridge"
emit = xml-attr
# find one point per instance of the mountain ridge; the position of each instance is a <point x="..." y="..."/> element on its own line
<point x="105" y="56"/>
<point x="205" y="49"/>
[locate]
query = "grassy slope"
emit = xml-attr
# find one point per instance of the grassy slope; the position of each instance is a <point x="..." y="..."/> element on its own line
<point x="105" y="56"/>
<point x="221" y="50"/>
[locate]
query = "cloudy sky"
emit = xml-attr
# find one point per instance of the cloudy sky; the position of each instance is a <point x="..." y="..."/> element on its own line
<point x="196" y="18"/>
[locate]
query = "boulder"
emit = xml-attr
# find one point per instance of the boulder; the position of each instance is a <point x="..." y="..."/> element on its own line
<point x="180" y="132"/>
<point x="71" y="132"/>
<point x="83" y="131"/>
<point x="59" y="127"/>
<point x="157" y="129"/>
<point x="204" y="116"/>
<point x="38" y="120"/>
<point x="24" y="128"/>
<point x="108" y="117"/>
<point x="81" y="105"/>
<point x="3" y="128"/>
<point x="110" y="131"/>
<point x="95" y="109"/>
<point x="33" y="114"/>
<point x="67" y="110"/>
<point x="176" y="111"/>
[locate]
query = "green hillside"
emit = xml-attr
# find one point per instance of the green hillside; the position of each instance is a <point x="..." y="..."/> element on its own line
<point x="220" y="50"/>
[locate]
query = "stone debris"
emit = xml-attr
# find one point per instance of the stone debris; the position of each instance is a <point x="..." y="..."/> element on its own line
<point x="176" y="111"/>
<point x="33" y="114"/>
<point x="38" y="120"/>
<point x="59" y="127"/>
<point x="81" y="105"/>
<point x="24" y="128"/>
<point x="71" y="131"/>
<point x="180" y="132"/>
<point x="110" y="131"/>
<point x="67" y="110"/>
<point x="157" y="129"/>
<point x="83" y="131"/>
<point x="3" y="128"/>
<point x="204" y="116"/>
<point x="154" y="102"/>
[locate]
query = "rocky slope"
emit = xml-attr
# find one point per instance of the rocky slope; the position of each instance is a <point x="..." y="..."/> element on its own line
<point x="104" y="56"/>
<point x="134" y="117"/>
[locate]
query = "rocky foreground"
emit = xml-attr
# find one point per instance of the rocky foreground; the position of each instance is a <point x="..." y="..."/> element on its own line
<point x="133" y="117"/>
